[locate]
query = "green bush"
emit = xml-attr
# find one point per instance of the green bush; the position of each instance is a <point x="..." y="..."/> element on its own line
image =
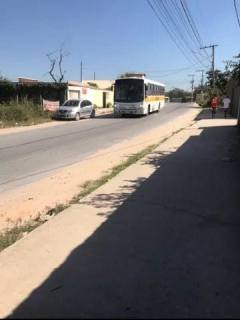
<point x="109" y="105"/>
<point x="25" y="112"/>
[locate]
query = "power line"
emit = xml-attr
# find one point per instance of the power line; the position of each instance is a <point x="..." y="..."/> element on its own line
<point x="169" y="16"/>
<point x="167" y="20"/>
<point x="236" y="11"/>
<point x="174" y="71"/>
<point x="166" y="14"/>
<point x="181" y="18"/>
<point x="173" y="30"/>
<point x="192" y="23"/>
<point x="167" y="30"/>
<point x="190" y="20"/>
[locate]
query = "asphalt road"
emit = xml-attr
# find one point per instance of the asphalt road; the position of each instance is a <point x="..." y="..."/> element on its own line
<point x="30" y="155"/>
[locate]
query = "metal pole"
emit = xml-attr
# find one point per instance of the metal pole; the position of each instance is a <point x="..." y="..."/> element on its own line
<point x="192" y="83"/>
<point x="202" y="78"/>
<point x="81" y="72"/>
<point x="213" y="61"/>
<point x="213" y="65"/>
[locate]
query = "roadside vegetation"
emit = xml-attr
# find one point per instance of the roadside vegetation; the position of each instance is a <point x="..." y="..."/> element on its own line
<point x="22" y="114"/>
<point x="179" y="95"/>
<point x="224" y="81"/>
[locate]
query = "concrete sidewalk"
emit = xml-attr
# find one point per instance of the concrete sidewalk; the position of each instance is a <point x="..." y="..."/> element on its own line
<point x="159" y="240"/>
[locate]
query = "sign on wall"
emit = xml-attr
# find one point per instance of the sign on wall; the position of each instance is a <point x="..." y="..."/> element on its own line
<point x="50" y="105"/>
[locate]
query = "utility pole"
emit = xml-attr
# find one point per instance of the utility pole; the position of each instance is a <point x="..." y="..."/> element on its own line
<point x="202" y="81"/>
<point x="202" y="78"/>
<point x="94" y="76"/>
<point x="213" y="46"/>
<point x="192" y="83"/>
<point x="81" y="72"/>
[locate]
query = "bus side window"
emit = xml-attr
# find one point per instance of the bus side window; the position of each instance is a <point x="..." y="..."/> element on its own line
<point x="146" y="90"/>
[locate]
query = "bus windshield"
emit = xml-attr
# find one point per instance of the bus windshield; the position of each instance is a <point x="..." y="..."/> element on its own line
<point x="129" y="90"/>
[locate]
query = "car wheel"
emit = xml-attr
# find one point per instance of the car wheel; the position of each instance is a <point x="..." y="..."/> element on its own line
<point x="93" y="113"/>
<point x="77" y="117"/>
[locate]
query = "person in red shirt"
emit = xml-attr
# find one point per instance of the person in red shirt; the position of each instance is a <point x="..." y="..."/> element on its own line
<point x="214" y="105"/>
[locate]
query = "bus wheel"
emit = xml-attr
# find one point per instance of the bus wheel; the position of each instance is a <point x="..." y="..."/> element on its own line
<point x="149" y="109"/>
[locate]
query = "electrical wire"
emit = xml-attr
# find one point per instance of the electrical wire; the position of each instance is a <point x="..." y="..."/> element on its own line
<point x="174" y="22"/>
<point x="179" y="15"/>
<point x="236" y="11"/>
<point x="192" y="24"/>
<point x="174" y="30"/>
<point x="167" y="30"/>
<point x="176" y="27"/>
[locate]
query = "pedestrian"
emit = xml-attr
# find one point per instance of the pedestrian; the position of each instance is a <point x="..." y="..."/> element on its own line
<point x="214" y="105"/>
<point x="226" y="104"/>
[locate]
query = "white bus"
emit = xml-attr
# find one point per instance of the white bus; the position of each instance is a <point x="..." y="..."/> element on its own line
<point x="138" y="95"/>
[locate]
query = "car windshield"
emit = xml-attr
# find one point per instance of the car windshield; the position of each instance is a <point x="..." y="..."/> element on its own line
<point x="71" y="103"/>
<point x="129" y="90"/>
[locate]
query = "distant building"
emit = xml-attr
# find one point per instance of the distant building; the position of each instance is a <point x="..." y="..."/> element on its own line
<point x="99" y="96"/>
<point x="27" y="81"/>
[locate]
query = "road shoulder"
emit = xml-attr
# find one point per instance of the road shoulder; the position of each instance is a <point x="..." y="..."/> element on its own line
<point x="39" y="197"/>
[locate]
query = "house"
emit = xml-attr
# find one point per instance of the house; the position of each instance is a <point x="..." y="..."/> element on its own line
<point x="100" y="93"/>
<point x="101" y="97"/>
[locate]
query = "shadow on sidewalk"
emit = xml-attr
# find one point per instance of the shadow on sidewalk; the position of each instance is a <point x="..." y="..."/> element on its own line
<point x="170" y="250"/>
<point x="207" y="114"/>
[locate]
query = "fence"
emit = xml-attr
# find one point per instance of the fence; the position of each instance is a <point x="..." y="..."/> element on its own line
<point x="233" y="91"/>
<point x="34" y="92"/>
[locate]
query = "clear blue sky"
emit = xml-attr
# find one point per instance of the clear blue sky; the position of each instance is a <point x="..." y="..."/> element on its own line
<point x="110" y="36"/>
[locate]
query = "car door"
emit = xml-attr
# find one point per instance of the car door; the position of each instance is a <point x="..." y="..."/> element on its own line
<point x="89" y="108"/>
<point x="83" y="107"/>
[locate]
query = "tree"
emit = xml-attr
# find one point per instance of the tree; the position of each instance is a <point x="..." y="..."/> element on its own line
<point x="234" y="67"/>
<point x="221" y="79"/>
<point x="3" y="79"/>
<point x="178" y="93"/>
<point x="56" y="58"/>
